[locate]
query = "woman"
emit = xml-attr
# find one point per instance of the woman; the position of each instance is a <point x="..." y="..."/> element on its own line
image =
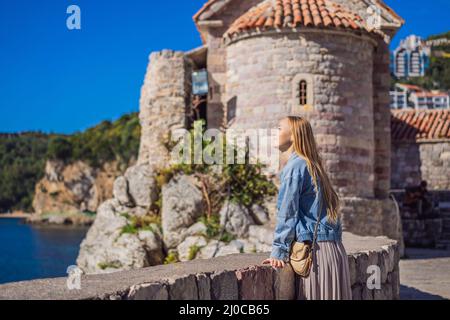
<point x="303" y="182"/>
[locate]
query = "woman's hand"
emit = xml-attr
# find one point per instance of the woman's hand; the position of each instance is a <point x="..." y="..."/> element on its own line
<point x="275" y="263"/>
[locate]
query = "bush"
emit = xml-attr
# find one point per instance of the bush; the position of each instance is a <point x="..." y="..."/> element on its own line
<point x="214" y="230"/>
<point x="109" y="264"/>
<point x="22" y="164"/>
<point x="244" y="184"/>
<point x="172" y="257"/>
<point x="136" y="224"/>
<point x="193" y="250"/>
<point x="59" y="148"/>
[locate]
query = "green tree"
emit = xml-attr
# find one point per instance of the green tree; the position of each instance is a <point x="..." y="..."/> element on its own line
<point x="59" y="148"/>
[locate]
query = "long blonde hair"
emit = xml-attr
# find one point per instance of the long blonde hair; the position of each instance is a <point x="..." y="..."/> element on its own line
<point x="305" y="146"/>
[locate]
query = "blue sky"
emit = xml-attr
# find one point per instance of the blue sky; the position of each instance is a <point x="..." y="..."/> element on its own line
<point x="57" y="80"/>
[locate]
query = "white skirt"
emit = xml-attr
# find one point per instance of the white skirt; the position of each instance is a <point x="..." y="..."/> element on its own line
<point x="330" y="275"/>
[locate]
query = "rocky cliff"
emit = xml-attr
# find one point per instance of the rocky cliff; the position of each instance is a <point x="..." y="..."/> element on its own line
<point x="73" y="188"/>
<point x="123" y="235"/>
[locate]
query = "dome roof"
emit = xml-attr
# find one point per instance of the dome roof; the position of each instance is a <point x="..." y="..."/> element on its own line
<point x="278" y="14"/>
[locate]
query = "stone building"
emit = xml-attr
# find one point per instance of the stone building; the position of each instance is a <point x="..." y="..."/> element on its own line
<point x="421" y="148"/>
<point x="421" y="152"/>
<point x="315" y="58"/>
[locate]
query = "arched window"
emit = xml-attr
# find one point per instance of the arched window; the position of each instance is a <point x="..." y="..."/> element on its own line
<point x="303" y="92"/>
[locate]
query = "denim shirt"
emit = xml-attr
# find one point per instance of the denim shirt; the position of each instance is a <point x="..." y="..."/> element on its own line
<point x="298" y="207"/>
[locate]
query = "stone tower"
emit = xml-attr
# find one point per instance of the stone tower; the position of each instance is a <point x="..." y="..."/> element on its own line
<point x="165" y="96"/>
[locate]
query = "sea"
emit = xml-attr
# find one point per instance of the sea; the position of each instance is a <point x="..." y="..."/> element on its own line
<point x="30" y="252"/>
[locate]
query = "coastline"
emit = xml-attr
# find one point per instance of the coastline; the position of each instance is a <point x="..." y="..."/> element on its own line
<point x="15" y="215"/>
<point x="74" y="219"/>
<point x="67" y="219"/>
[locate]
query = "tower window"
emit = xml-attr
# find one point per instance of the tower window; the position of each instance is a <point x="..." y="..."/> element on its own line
<point x="303" y="92"/>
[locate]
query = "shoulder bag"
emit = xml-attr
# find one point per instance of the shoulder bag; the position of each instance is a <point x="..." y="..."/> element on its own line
<point x="301" y="256"/>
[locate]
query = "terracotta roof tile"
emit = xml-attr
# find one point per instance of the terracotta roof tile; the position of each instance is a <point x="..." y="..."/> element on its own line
<point x="411" y="125"/>
<point x="297" y="13"/>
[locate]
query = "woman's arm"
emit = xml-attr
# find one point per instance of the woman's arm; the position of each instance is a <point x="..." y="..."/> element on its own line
<point x="287" y="217"/>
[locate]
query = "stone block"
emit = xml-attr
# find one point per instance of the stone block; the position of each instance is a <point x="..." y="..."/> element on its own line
<point x="203" y="286"/>
<point x="224" y="286"/>
<point x="393" y="280"/>
<point x="255" y="283"/>
<point x="353" y="270"/>
<point x="373" y="258"/>
<point x="391" y="257"/>
<point x="148" y="291"/>
<point x="383" y="257"/>
<point x="362" y="263"/>
<point x="284" y="283"/>
<point x="184" y="288"/>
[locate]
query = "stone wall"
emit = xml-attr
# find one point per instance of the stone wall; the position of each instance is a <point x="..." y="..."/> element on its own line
<point x="372" y="217"/>
<point x="232" y="277"/>
<point x="429" y="229"/>
<point x="424" y="233"/>
<point x="413" y="162"/>
<point x="164" y="99"/>
<point x="382" y="119"/>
